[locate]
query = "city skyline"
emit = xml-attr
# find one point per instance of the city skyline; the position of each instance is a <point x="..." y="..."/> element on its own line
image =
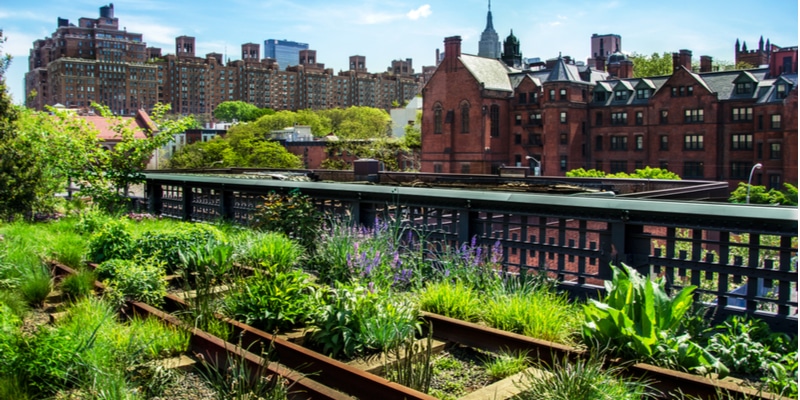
<point x="406" y="29"/>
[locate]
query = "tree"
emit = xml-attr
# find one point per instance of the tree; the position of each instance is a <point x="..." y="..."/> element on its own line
<point x="364" y="123"/>
<point x="653" y="65"/>
<point x="230" y="111"/>
<point x="760" y="195"/>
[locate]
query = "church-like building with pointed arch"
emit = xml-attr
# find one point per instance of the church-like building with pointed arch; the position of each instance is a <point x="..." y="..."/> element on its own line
<point x="481" y="113"/>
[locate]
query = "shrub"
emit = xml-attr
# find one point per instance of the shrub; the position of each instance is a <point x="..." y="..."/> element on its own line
<point x="143" y="280"/>
<point x="166" y="246"/>
<point x="112" y="241"/>
<point x="455" y="300"/>
<point x="294" y="215"/>
<point x="272" y="250"/>
<point x="272" y="302"/>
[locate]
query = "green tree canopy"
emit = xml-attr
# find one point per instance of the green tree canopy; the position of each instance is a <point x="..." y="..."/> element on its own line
<point x="231" y="111"/>
<point x="760" y="195"/>
<point x="641" y="173"/>
<point x="652" y="65"/>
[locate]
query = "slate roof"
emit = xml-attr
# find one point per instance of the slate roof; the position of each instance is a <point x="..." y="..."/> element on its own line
<point x="492" y="73"/>
<point x="564" y="72"/>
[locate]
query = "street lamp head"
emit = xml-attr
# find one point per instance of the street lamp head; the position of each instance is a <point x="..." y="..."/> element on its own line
<point x="757" y="166"/>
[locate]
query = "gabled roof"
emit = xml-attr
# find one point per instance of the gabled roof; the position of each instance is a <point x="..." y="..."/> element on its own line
<point x="516" y="79"/>
<point x="623" y="85"/>
<point x="745" y="77"/>
<point x="564" y="72"/>
<point x="603" y="87"/>
<point x="723" y="83"/>
<point x="491" y="73"/>
<point x="645" y="83"/>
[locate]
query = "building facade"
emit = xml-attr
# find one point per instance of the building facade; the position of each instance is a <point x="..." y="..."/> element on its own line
<point x="479" y="115"/>
<point x="97" y="62"/>
<point x="603" y="46"/>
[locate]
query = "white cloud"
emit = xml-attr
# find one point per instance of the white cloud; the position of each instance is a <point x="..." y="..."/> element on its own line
<point x="24" y="16"/>
<point x="19" y="44"/>
<point x="154" y="33"/>
<point x="421" y="12"/>
<point x="377" y="18"/>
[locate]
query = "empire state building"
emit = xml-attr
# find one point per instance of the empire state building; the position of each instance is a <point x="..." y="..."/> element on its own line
<point x="489" y="45"/>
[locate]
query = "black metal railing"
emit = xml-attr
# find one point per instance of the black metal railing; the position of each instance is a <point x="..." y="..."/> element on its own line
<point x="742" y="258"/>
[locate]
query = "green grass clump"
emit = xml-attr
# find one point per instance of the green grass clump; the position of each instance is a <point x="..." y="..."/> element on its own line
<point x="78" y="285"/>
<point x="35" y="285"/>
<point x="455" y="300"/>
<point x="506" y="364"/>
<point x="583" y="379"/>
<point x="541" y="314"/>
<point x="271" y="250"/>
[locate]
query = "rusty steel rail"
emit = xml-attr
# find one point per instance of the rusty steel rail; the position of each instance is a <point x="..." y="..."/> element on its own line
<point x="665" y="380"/>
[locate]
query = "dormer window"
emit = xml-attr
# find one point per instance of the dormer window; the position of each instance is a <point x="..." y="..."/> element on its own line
<point x="781" y="91"/>
<point x="744" y="88"/>
<point x="599" y="96"/>
<point x="620" y="95"/>
<point x="643" y="93"/>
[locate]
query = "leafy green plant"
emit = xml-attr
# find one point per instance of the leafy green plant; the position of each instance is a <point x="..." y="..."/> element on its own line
<point x="78" y="285"/>
<point x="279" y="301"/>
<point x="69" y="249"/>
<point x="636" y="316"/>
<point x="294" y="215"/>
<point x="35" y="285"/>
<point x="142" y="280"/>
<point x="166" y="246"/>
<point x="506" y="363"/>
<point x="91" y="220"/>
<point x="455" y="300"/>
<point x="581" y="379"/>
<point x="238" y="382"/>
<point x="412" y="362"/>
<point x="112" y="241"/>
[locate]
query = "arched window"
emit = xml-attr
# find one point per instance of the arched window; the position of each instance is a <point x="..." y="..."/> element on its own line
<point x="437" y="118"/>
<point x="465" y="117"/>
<point x="494" y="118"/>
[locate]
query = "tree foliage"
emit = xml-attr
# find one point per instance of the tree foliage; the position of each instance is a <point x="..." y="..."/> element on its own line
<point x="760" y="195"/>
<point x="240" y="111"/>
<point x="652" y="65"/>
<point x="641" y="173"/>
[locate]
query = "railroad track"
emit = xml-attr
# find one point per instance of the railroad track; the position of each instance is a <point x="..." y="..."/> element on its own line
<point x="316" y="376"/>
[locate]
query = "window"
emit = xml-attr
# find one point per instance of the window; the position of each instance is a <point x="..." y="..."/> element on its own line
<point x="535" y="139"/>
<point x="517" y="138"/>
<point x="494" y="120"/>
<point x="744" y="88"/>
<point x="780" y="91"/>
<point x="740" y="170"/>
<point x="690" y="90"/>
<point x="693" y="142"/>
<point x="693" y="169"/>
<point x="638" y="164"/>
<point x="562" y="138"/>
<point x="533" y="97"/>
<point x="599" y="96"/>
<point x="563" y="117"/>
<point x="642" y="94"/>
<point x="639" y="142"/>
<point x="437" y="119"/>
<point x="742" y="141"/>
<point x="742" y="114"/>
<point x="465" y="118"/>
<point x="760" y="122"/>
<point x="619" y="118"/>
<point x="563" y="163"/>
<point x="552" y="94"/>
<point x="437" y="168"/>
<point x="680" y="91"/>
<point x="775" y="121"/>
<point x="535" y="119"/>
<point x="664" y="117"/>
<point x="619" y="166"/>
<point x="620" y="95"/>
<point x="619" y="143"/>
<point x="693" y="116"/>
<point x="775" y="182"/>
<point x="663" y="165"/>
<point x="464" y="168"/>
<point x="639" y="118"/>
<point x="598" y="118"/>
<point x="562" y="94"/>
<point x="598" y="143"/>
<point x="523" y="98"/>
<point x="518" y="119"/>
<point x="775" y="151"/>
<point x="663" y="143"/>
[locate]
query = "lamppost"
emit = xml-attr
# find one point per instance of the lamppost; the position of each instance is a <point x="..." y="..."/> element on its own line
<point x="755" y="167"/>
<point x="537" y="169"/>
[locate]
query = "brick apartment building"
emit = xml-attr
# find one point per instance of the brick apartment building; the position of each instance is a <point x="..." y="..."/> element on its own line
<point x="480" y="114"/>
<point x="96" y="61"/>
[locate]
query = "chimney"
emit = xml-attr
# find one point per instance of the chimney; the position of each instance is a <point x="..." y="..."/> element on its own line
<point x="613" y="69"/>
<point x="452" y="51"/>
<point x="600" y="63"/>
<point x="676" y="61"/>
<point x="437" y="57"/>
<point x="705" y="63"/>
<point x="625" y="69"/>
<point x="686" y="59"/>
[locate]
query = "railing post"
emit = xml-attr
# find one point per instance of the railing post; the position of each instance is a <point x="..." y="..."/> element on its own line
<point x="226" y="204"/>
<point x="626" y="243"/>
<point x="363" y="212"/>
<point x="187" y="202"/>
<point x="154" y="195"/>
<point x="468" y="224"/>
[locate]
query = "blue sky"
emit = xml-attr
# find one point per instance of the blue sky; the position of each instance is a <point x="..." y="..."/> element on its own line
<point x="383" y="31"/>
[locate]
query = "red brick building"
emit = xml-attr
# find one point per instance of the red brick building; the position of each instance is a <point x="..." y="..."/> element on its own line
<point x="479" y="115"/>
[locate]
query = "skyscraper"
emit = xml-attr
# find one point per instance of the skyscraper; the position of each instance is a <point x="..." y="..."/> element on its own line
<point x="489" y="45"/>
<point x="286" y="52"/>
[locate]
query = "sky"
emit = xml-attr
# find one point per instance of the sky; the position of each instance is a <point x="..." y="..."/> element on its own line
<point x="383" y="31"/>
